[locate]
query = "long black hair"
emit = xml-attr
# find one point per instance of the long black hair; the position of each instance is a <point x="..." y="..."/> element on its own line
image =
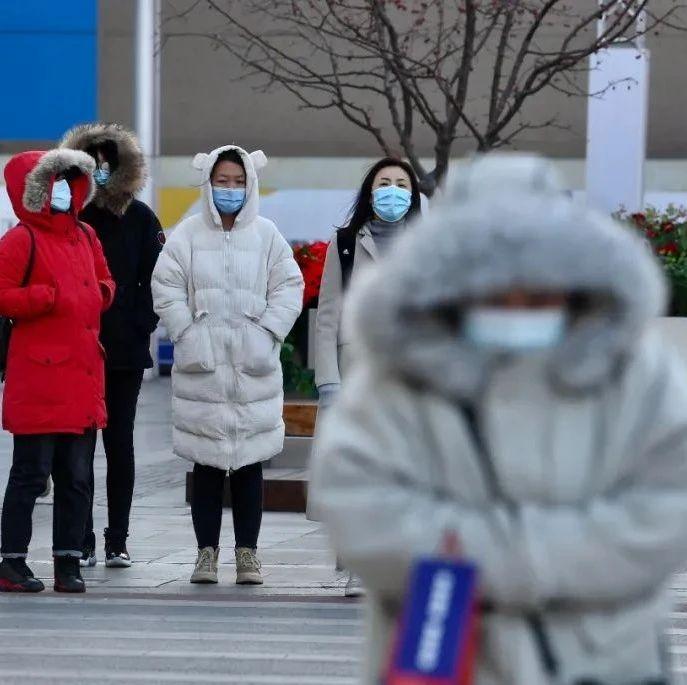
<point x="361" y="211"/>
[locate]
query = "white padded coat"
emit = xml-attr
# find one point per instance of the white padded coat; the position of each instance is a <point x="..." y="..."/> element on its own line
<point x="228" y="299"/>
<point x="588" y="442"/>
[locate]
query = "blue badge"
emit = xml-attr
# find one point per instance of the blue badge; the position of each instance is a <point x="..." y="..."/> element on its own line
<point x="436" y="640"/>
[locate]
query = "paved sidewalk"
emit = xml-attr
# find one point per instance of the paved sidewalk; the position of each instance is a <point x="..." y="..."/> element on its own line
<point x="294" y="552"/>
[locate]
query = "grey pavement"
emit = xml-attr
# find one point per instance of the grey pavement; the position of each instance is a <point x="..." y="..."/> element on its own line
<point x="148" y="624"/>
<point x="294" y="552"/>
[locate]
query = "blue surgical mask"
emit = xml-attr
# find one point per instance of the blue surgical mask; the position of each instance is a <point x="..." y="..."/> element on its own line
<point x="101" y="176"/>
<point x="61" y="199"/>
<point x="391" y="203"/>
<point x="515" y="330"/>
<point x="228" y="200"/>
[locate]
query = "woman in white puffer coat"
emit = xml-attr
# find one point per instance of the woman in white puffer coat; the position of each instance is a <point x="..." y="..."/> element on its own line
<point x="228" y="290"/>
<point x="510" y="392"/>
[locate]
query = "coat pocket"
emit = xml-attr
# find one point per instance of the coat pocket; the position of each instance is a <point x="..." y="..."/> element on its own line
<point x="49" y="355"/>
<point x="193" y="351"/>
<point x="259" y="351"/>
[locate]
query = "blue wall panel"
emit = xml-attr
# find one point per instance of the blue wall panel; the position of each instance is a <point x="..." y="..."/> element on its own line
<point x="49" y="78"/>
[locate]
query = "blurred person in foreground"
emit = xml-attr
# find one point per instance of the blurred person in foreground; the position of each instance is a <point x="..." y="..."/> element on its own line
<point x="388" y="199"/>
<point x="54" y="285"/>
<point x="509" y="392"/>
<point x="132" y="238"/>
<point x="228" y="290"/>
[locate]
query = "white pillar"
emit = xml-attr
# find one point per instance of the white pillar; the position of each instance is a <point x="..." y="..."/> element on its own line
<point x="617" y="124"/>
<point x="148" y="89"/>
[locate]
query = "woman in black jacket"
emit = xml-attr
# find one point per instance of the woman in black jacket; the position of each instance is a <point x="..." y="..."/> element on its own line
<point x="132" y="237"/>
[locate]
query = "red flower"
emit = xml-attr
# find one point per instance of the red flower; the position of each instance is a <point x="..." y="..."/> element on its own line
<point x="667" y="226"/>
<point x="638" y="218"/>
<point x="669" y="249"/>
<point x="651" y="234"/>
<point x="310" y="258"/>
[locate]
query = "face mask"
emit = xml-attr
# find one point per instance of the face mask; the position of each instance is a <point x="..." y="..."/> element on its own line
<point x="391" y="203"/>
<point x="514" y="330"/>
<point x="61" y="199"/>
<point x="101" y="176"/>
<point x="228" y="200"/>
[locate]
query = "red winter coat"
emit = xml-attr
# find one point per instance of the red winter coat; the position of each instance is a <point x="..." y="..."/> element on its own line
<point x="55" y="369"/>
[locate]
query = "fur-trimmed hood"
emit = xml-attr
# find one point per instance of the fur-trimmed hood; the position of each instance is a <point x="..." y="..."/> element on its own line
<point x="477" y="243"/>
<point x="253" y="162"/>
<point x="130" y="175"/>
<point x="30" y="176"/>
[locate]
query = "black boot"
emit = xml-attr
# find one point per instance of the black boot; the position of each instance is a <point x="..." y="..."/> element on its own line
<point x="68" y="575"/>
<point x="16" y="576"/>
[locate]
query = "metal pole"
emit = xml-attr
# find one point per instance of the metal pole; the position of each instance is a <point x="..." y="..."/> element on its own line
<point x="147" y="88"/>
<point x="147" y="109"/>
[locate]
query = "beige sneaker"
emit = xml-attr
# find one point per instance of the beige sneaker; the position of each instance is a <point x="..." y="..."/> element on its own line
<point x="247" y="567"/>
<point x="206" y="566"/>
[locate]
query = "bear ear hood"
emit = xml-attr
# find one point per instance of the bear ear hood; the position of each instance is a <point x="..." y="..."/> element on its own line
<point x="128" y="178"/>
<point x="252" y="162"/>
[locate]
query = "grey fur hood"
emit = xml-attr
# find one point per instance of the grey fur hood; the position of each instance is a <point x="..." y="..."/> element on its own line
<point x="477" y="244"/>
<point x="130" y="175"/>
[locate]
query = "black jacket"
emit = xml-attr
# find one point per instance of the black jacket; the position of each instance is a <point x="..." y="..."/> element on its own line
<point x="131" y="243"/>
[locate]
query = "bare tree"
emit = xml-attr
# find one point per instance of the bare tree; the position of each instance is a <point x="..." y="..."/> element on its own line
<point x="391" y="66"/>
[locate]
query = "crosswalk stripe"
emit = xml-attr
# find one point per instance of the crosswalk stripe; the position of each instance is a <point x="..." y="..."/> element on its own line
<point x="188" y="636"/>
<point x="256" y="642"/>
<point x="59" y="676"/>
<point x="169" y="654"/>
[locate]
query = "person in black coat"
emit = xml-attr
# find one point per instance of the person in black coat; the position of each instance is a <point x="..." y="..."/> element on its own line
<point x="132" y="238"/>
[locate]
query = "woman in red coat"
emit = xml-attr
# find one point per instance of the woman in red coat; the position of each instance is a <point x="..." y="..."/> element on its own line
<point x="54" y="392"/>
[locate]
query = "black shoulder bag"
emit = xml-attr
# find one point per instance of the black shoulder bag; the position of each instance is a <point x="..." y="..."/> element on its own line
<point x="345" y="244"/>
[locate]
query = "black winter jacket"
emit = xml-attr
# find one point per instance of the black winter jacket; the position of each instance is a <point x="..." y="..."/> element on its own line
<point x="131" y="243"/>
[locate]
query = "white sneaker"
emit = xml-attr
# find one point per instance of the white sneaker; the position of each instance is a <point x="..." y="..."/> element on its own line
<point x="354" y="586"/>
<point x="247" y="567"/>
<point x="206" y="566"/>
<point x="88" y="559"/>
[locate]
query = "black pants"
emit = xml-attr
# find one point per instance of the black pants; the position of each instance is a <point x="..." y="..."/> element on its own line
<point x="122" y="388"/>
<point x="68" y="457"/>
<point x="246" y="504"/>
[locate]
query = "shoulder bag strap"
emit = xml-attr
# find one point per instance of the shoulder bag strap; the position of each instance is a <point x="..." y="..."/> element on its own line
<point x="534" y="619"/>
<point x="32" y="258"/>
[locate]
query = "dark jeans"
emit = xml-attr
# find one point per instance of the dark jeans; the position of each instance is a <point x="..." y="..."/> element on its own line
<point x="68" y="457"/>
<point x="122" y="388"/>
<point x="246" y="504"/>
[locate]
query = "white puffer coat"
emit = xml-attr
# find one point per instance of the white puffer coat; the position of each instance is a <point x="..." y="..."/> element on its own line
<point x="588" y="443"/>
<point x="228" y="299"/>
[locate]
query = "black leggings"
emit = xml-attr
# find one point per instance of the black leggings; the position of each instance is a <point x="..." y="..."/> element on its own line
<point x="246" y="504"/>
<point x="122" y="388"/>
